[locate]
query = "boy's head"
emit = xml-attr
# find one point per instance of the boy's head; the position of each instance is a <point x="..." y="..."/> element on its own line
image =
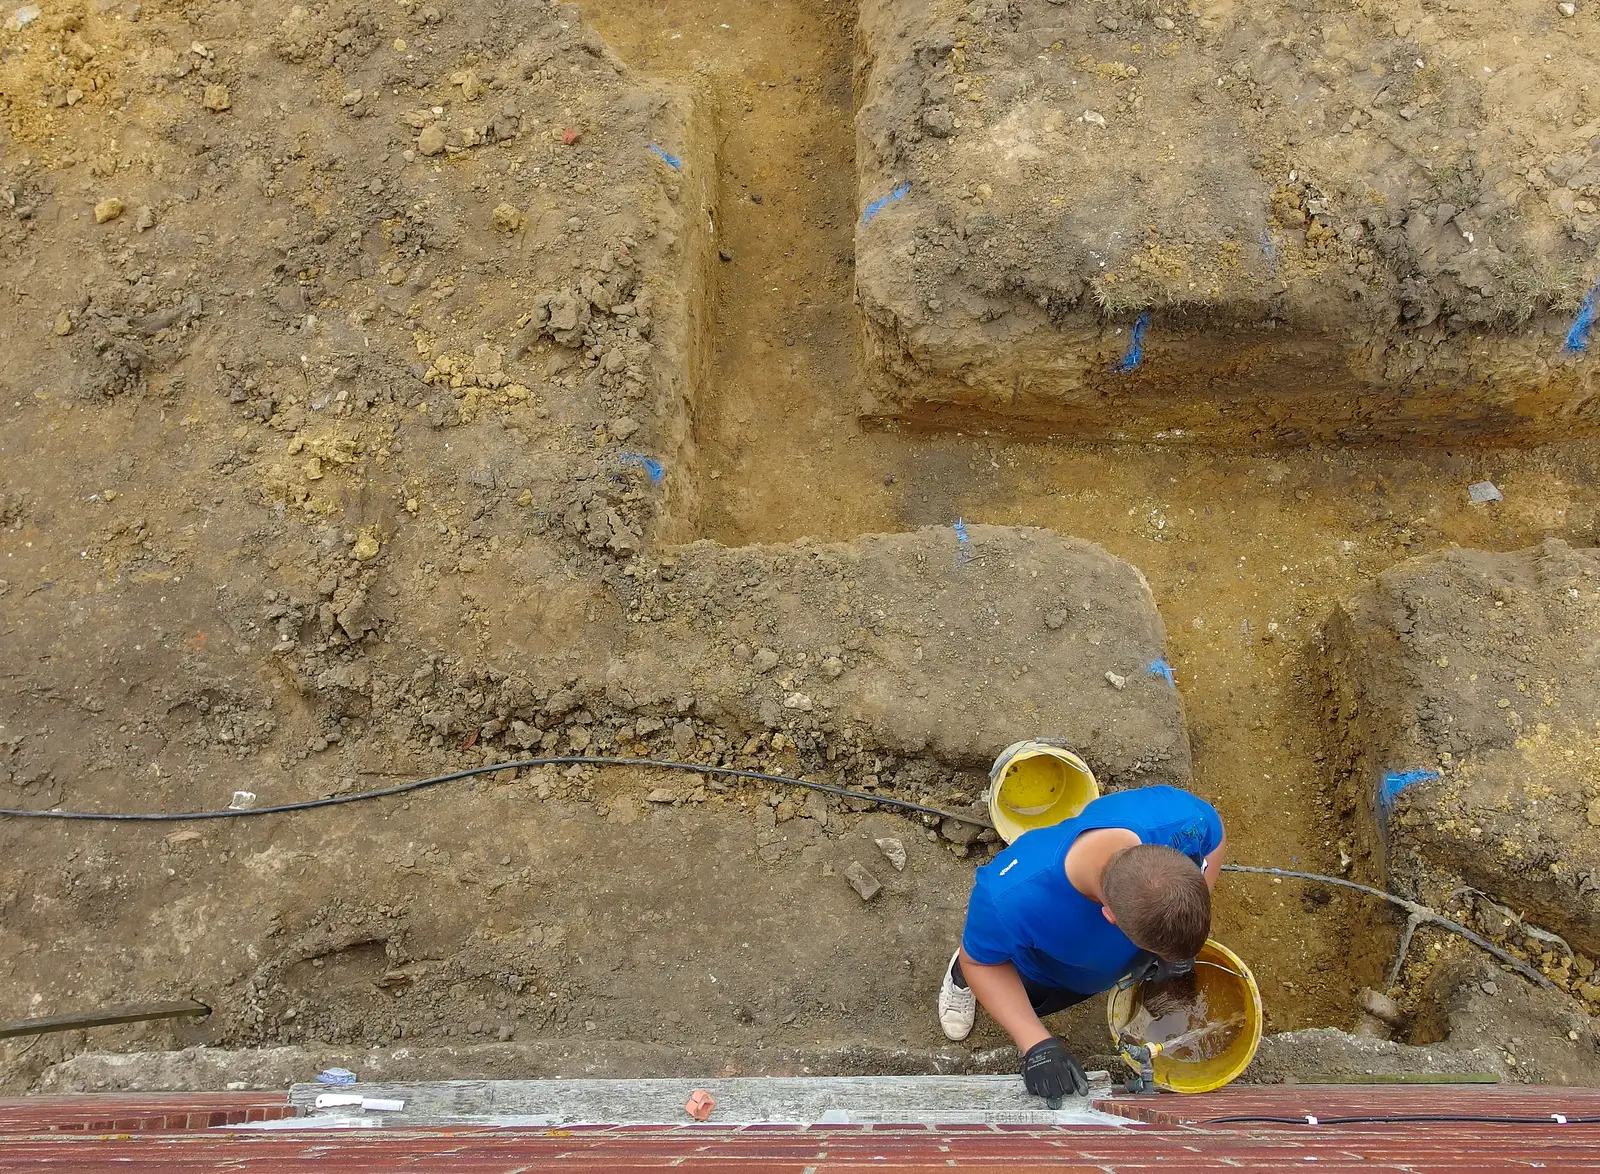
<point x="1158" y="897"/>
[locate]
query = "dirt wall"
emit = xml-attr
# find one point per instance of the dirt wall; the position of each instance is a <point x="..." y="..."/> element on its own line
<point x="1466" y="735"/>
<point x="1204" y="222"/>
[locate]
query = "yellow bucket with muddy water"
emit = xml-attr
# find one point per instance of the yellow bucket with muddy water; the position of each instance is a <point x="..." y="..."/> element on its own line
<point x="1204" y="1034"/>
<point x="1037" y="784"/>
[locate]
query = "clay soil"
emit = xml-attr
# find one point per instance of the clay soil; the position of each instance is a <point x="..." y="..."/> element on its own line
<point x="557" y="906"/>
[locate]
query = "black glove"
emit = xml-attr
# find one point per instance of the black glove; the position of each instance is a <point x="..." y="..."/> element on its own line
<point x="1153" y="969"/>
<point x="1052" y="1072"/>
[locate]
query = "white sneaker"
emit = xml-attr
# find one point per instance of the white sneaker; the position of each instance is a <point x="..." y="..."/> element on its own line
<point x="958" y="1006"/>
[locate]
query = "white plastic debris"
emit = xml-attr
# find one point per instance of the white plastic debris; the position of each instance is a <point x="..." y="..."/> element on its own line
<point x="242" y="800"/>
<point x="23" y="16"/>
<point x="381" y="1105"/>
<point x="337" y="1100"/>
<point x="1483" y="492"/>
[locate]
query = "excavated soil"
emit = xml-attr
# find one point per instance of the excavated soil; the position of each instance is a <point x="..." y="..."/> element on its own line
<point x="1137" y="220"/>
<point x="1465" y="707"/>
<point x="373" y="438"/>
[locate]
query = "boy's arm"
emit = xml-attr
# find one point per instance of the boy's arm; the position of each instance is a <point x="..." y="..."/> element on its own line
<point x="1213" y="865"/>
<point x="1000" y="990"/>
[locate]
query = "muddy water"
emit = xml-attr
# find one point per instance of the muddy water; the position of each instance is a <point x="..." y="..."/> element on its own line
<point x="1192" y="1020"/>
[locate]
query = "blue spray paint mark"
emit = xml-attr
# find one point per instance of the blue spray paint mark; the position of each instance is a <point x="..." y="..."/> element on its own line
<point x="672" y="160"/>
<point x="1135" y="354"/>
<point x="963" y="540"/>
<point x="1160" y="668"/>
<point x="1267" y="250"/>
<point x="1398" y="780"/>
<point x="1578" y="337"/>
<point x="883" y="202"/>
<point x="649" y="464"/>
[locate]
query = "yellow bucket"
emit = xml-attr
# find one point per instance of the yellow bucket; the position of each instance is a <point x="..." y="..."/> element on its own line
<point x="1225" y="989"/>
<point x="1037" y="785"/>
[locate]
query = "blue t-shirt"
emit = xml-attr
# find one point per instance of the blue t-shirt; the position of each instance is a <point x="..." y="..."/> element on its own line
<point x="1025" y="911"/>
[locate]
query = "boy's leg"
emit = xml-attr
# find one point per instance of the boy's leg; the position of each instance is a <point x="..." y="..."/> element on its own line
<point x="1045" y="1000"/>
<point x="958" y="1006"/>
<point x="1049" y="1000"/>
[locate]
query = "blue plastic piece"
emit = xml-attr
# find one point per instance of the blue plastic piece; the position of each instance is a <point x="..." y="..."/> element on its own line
<point x="649" y="464"/>
<point x="1578" y="337"/>
<point x="1397" y="781"/>
<point x="963" y="539"/>
<point x="883" y="202"/>
<point x="672" y="160"/>
<point x="1135" y="354"/>
<point x="336" y="1076"/>
<point x="1159" y="667"/>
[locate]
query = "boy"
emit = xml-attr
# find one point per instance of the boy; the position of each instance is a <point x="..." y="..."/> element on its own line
<point x="1068" y="911"/>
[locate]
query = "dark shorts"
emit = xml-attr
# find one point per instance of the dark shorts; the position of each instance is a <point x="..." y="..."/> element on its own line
<point x="1048" y="1000"/>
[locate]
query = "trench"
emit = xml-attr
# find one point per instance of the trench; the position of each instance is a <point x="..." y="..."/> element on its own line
<point x="1246" y="552"/>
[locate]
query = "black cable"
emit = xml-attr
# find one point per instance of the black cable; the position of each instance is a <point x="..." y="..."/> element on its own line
<point x="1403" y="1119"/>
<point x="1417" y="910"/>
<point x="571" y="760"/>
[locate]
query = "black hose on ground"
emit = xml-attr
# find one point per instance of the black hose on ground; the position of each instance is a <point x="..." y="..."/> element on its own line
<point x="490" y="768"/>
<point x="1418" y="913"/>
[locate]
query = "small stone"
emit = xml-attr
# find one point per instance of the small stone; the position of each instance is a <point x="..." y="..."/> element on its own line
<point x="832" y="668"/>
<point x="1489" y="987"/>
<point x="1055" y="619"/>
<point x="1164" y="23"/>
<point x="1594" y="804"/>
<point x="352" y="98"/>
<point x="765" y="660"/>
<point x="798" y="701"/>
<point x="431" y="140"/>
<point x="939" y="121"/>
<point x="366" y="545"/>
<point x="1567" y="9"/>
<point x="959" y="831"/>
<point x="624" y="427"/>
<point x="108" y="209"/>
<point x="1115" y="681"/>
<point x="894" y="851"/>
<point x="1094" y="117"/>
<point x="662" y="795"/>
<point x="63" y="324"/>
<point x="217" y="99"/>
<point x="862" y="881"/>
<point x="1589" y="991"/>
<point x="505" y="1033"/>
<point x="144" y="220"/>
<point x="505" y="218"/>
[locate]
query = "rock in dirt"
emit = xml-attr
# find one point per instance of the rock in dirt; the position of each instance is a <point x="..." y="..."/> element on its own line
<point x="431" y="140"/>
<point x="1465" y="696"/>
<point x="862" y="881"/>
<point x="505" y="218"/>
<point x="217" y="99"/>
<point x="959" y="831"/>
<point x="893" y="850"/>
<point x="107" y="210"/>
